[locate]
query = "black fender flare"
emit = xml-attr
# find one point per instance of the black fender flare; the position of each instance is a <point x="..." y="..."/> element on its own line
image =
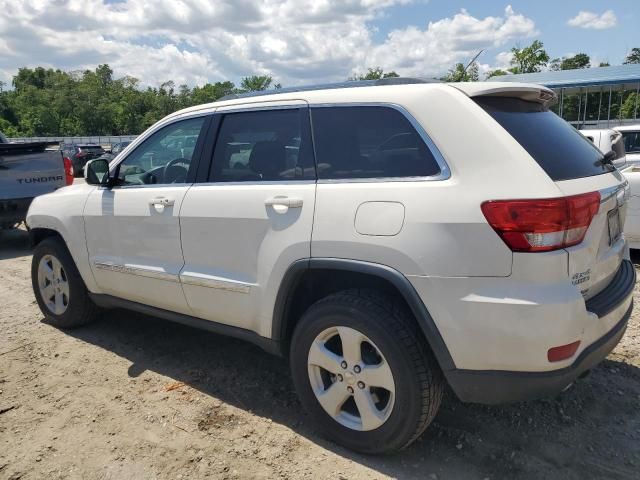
<point x="398" y="280"/>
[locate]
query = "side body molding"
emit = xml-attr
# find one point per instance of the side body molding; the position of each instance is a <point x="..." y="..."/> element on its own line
<point x="397" y="279"/>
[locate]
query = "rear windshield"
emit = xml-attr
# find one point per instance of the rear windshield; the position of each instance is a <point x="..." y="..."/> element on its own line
<point x="90" y="148"/>
<point x="557" y="147"/>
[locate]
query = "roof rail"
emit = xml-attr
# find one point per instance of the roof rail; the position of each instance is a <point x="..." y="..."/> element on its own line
<point x="331" y="86"/>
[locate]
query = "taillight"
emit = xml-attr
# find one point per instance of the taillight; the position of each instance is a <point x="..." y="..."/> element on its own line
<point x="68" y="171"/>
<point x="542" y="225"/>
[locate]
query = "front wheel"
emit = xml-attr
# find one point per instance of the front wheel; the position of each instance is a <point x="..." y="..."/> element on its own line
<point x="59" y="289"/>
<point x="364" y="373"/>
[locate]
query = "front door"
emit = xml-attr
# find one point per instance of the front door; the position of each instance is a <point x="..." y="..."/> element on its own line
<point x="133" y="229"/>
<point x="253" y="219"/>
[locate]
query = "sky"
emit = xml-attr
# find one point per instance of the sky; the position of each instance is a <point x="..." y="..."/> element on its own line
<point x="302" y="41"/>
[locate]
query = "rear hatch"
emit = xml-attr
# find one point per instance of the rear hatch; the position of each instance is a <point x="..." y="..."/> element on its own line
<point x="90" y="151"/>
<point x="29" y="169"/>
<point x="577" y="167"/>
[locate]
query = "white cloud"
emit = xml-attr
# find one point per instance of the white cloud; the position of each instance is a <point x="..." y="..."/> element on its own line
<point x="198" y="41"/>
<point x="431" y="51"/>
<point x="586" y="19"/>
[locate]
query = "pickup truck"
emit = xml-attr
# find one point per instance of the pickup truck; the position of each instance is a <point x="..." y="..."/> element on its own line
<point x="26" y="171"/>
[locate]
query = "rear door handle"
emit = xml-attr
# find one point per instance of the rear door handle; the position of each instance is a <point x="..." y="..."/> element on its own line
<point x="289" y="202"/>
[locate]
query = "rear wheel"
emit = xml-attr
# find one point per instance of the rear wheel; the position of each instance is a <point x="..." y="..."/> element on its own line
<point x="59" y="289"/>
<point x="364" y="372"/>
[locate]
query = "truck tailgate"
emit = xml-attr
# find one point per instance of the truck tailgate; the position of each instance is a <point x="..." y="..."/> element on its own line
<point x="29" y="169"/>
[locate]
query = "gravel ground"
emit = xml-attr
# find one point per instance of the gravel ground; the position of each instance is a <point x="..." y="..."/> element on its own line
<point x="133" y="397"/>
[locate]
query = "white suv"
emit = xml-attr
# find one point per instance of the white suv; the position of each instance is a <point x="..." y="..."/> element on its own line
<point x="387" y="238"/>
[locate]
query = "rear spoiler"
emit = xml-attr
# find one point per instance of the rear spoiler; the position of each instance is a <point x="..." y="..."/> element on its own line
<point x="525" y="91"/>
<point x="31" y="147"/>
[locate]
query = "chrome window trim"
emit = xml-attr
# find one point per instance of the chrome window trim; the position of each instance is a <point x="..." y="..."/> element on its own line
<point x="261" y="107"/>
<point x="255" y="182"/>
<point x="139" y="271"/>
<point x="445" y="171"/>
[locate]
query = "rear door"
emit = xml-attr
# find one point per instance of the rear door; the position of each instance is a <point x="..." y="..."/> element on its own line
<point x="252" y="217"/>
<point x="133" y="229"/>
<point x="576" y="166"/>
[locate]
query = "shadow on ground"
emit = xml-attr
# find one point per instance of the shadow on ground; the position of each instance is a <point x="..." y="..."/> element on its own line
<point x="592" y="430"/>
<point x="14" y="243"/>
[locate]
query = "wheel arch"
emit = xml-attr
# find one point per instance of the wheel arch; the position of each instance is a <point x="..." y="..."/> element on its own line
<point x="309" y="279"/>
<point x="38" y="234"/>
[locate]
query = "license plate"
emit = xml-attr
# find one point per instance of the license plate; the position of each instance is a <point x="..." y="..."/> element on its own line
<point x="614" y="225"/>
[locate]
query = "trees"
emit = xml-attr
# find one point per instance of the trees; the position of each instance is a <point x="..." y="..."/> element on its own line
<point x="255" y="83"/>
<point x="374" y="74"/>
<point x="48" y="102"/>
<point x="496" y="73"/>
<point x="529" y="59"/>
<point x="580" y="60"/>
<point x="633" y="57"/>
<point x="459" y="74"/>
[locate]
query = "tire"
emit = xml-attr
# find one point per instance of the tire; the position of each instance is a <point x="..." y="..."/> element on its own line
<point x="77" y="309"/>
<point x="389" y="329"/>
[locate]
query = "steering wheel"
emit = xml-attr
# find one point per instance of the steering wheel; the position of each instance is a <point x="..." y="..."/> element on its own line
<point x="173" y="173"/>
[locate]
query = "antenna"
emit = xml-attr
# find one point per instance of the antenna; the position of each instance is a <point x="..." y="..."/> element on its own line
<point x="469" y="64"/>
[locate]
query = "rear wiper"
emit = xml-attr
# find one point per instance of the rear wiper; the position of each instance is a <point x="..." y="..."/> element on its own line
<point x="608" y="159"/>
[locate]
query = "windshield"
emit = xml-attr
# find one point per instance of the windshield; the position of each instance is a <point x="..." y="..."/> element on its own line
<point x="555" y="145"/>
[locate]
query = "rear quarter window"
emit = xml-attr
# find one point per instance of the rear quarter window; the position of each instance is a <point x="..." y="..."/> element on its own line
<point x="562" y="152"/>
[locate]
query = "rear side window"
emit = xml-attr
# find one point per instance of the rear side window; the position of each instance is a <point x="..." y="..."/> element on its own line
<point x="562" y="152"/>
<point x="264" y="145"/>
<point x="631" y="141"/>
<point x="369" y="142"/>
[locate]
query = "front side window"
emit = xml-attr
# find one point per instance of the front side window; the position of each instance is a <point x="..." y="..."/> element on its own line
<point x="264" y="145"/>
<point x="369" y="142"/>
<point x="164" y="157"/>
<point x="631" y="141"/>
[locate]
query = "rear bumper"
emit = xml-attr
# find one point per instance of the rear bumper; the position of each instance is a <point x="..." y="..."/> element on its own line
<point x="14" y="210"/>
<point x="494" y="386"/>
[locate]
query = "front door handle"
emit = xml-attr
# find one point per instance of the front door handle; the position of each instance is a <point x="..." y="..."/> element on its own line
<point x="159" y="203"/>
<point x="282" y="201"/>
<point x="162" y="201"/>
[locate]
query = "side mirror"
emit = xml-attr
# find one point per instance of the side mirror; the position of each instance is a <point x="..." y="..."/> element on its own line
<point x="96" y="172"/>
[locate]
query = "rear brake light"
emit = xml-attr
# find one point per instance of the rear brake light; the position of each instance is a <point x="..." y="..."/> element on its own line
<point x="562" y="352"/>
<point x="68" y="171"/>
<point x="542" y="225"/>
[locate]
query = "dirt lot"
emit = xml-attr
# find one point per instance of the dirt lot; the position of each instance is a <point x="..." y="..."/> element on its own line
<point x="136" y="397"/>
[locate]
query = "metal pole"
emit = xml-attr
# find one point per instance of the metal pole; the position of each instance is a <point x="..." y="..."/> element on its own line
<point x="635" y="109"/>
<point x="609" y="109"/>
<point x="620" y="107"/>
<point x="599" y="106"/>
<point x="586" y="99"/>
<point x="561" y="101"/>
<point x="579" y="106"/>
